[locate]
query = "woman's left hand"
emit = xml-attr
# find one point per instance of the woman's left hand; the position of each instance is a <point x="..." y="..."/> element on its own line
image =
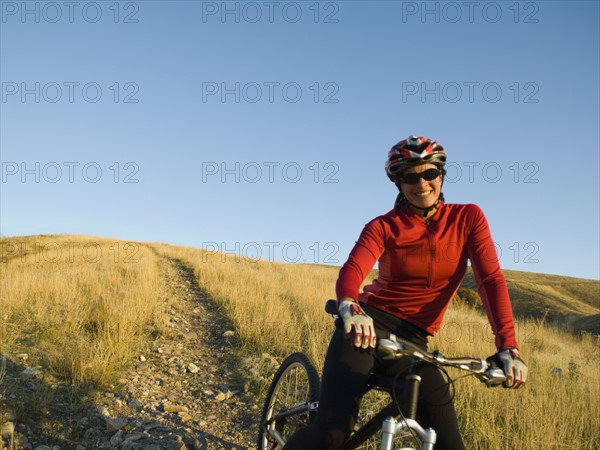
<point x="513" y="366"/>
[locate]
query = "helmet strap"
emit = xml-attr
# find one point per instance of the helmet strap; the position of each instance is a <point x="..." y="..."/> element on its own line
<point x="427" y="210"/>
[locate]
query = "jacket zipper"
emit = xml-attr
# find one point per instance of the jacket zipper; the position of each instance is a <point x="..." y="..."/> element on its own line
<point x="431" y="258"/>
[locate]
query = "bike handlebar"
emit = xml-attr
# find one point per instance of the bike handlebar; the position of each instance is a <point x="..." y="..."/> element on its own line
<point x="485" y="371"/>
<point x="395" y="347"/>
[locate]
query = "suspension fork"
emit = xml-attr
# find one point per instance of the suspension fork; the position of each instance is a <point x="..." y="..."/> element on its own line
<point x="409" y="399"/>
<point x="410" y="394"/>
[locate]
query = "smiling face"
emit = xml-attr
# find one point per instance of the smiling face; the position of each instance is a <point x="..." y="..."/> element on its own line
<point x="425" y="193"/>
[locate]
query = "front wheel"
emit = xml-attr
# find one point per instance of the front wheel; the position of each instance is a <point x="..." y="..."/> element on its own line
<point x="291" y="401"/>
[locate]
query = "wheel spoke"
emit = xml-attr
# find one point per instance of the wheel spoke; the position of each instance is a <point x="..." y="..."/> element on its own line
<point x="294" y="387"/>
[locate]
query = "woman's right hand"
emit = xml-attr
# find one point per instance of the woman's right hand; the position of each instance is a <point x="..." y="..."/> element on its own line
<point x="357" y="324"/>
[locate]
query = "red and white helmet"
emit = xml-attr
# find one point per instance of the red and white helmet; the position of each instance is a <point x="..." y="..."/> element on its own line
<point x="413" y="151"/>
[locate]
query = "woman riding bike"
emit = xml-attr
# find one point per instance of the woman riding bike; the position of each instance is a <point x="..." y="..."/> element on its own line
<point x="422" y="246"/>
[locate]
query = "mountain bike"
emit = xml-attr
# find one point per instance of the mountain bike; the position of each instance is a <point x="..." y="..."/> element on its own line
<point x="293" y="396"/>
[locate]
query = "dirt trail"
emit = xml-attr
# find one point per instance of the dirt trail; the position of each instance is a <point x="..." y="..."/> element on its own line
<point x="184" y="391"/>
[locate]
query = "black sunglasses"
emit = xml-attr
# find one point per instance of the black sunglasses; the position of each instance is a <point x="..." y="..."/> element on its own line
<point x="413" y="178"/>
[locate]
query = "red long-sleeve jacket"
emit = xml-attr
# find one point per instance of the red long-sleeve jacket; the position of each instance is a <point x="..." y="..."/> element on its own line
<point x="421" y="267"/>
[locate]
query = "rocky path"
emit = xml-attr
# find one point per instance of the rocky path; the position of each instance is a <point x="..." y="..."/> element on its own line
<point x="189" y="390"/>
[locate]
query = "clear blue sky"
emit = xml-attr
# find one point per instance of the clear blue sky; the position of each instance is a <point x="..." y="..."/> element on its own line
<point x="263" y="127"/>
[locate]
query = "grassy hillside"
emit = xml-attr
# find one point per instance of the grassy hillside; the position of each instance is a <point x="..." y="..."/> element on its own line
<point x="573" y="303"/>
<point x="83" y="305"/>
<point x="79" y="304"/>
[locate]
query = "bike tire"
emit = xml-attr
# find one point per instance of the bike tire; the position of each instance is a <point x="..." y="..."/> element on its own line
<point x="295" y="383"/>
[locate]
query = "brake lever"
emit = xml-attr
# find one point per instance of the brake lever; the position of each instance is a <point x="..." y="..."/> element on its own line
<point x="492" y="377"/>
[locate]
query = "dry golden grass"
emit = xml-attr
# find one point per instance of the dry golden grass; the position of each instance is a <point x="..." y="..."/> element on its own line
<point x="86" y="318"/>
<point x="77" y="305"/>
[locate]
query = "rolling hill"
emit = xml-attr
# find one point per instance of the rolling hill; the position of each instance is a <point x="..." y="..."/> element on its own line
<point x="78" y="311"/>
<point x="570" y="302"/>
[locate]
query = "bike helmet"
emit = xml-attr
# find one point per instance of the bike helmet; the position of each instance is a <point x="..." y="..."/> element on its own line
<point x="413" y="151"/>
